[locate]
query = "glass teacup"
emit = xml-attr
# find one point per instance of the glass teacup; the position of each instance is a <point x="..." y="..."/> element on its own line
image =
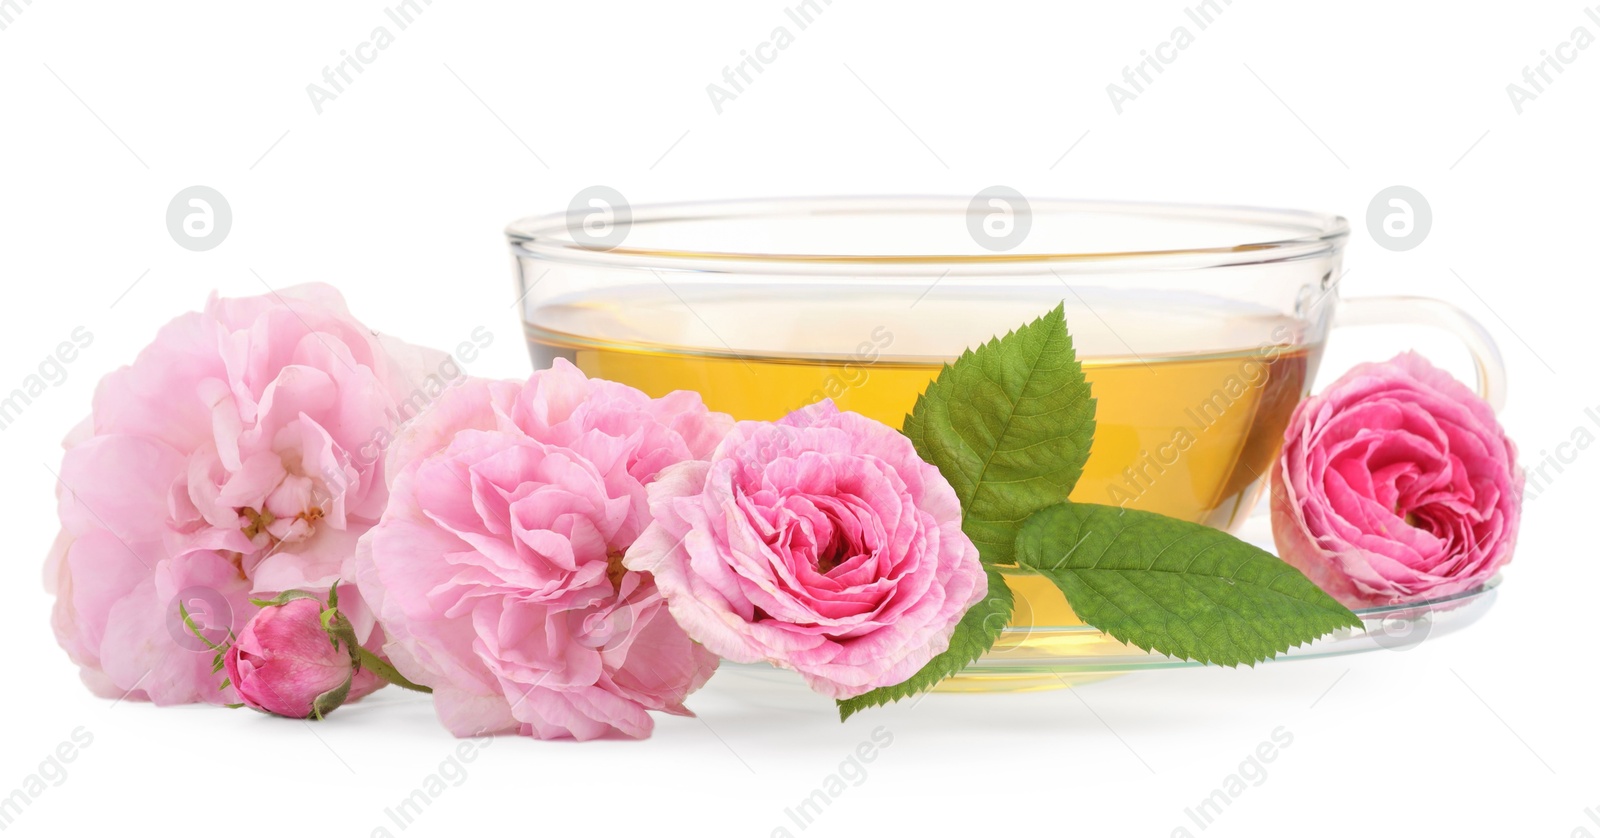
<point x="1199" y="328"/>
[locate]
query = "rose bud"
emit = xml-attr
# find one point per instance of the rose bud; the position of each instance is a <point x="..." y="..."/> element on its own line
<point x="1396" y="484"/>
<point x="285" y="661"/>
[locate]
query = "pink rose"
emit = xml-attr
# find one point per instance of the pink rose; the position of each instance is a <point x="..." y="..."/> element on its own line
<point x="285" y="663"/>
<point x="821" y="543"/>
<point x="1396" y="484"/>
<point x="497" y="569"/>
<point x="233" y="459"/>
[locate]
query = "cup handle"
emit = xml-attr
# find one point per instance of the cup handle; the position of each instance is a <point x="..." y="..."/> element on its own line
<point x="1426" y="311"/>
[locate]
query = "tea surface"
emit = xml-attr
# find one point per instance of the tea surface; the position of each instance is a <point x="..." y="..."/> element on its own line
<point x="1193" y="395"/>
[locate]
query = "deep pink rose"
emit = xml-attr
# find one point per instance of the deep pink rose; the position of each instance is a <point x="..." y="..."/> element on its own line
<point x="497" y="569"/>
<point x="233" y="459"/>
<point x="821" y="543"/>
<point x="284" y="660"/>
<point x="1396" y="484"/>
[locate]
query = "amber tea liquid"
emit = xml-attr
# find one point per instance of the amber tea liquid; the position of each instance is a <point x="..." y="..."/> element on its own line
<point x="1192" y="394"/>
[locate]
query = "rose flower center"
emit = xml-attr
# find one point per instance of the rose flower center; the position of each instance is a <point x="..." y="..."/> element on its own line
<point x="837" y="549"/>
<point x="614" y="569"/>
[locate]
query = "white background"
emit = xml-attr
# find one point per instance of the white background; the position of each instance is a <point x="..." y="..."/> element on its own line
<point x="483" y="112"/>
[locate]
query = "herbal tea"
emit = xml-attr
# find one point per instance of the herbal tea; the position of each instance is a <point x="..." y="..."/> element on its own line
<point x="1192" y="394"/>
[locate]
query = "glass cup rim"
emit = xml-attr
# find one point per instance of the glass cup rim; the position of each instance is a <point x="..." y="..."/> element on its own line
<point x="1307" y="235"/>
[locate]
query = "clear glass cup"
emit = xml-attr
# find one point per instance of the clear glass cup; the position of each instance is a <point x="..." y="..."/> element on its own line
<point x="1199" y="327"/>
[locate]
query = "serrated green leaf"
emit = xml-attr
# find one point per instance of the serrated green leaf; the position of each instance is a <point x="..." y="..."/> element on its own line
<point x="1176" y="587"/>
<point x="1009" y="424"/>
<point x="974" y="634"/>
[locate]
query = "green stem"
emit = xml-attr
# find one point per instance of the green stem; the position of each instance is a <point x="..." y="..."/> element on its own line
<point x="380" y="667"/>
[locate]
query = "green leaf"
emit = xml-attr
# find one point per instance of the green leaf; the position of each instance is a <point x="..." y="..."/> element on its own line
<point x="973" y="636"/>
<point x="1009" y="425"/>
<point x="1175" y="587"/>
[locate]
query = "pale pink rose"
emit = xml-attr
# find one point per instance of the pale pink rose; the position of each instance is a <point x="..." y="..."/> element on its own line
<point x="284" y="660"/>
<point x="497" y="569"/>
<point x="237" y="457"/>
<point x="820" y="543"/>
<point x="1396" y="484"/>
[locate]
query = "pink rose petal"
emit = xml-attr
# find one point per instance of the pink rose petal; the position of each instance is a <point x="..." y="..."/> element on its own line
<point x="495" y="570"/>
<point x="821" y="543"/>
<point x="223" y="463"/>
